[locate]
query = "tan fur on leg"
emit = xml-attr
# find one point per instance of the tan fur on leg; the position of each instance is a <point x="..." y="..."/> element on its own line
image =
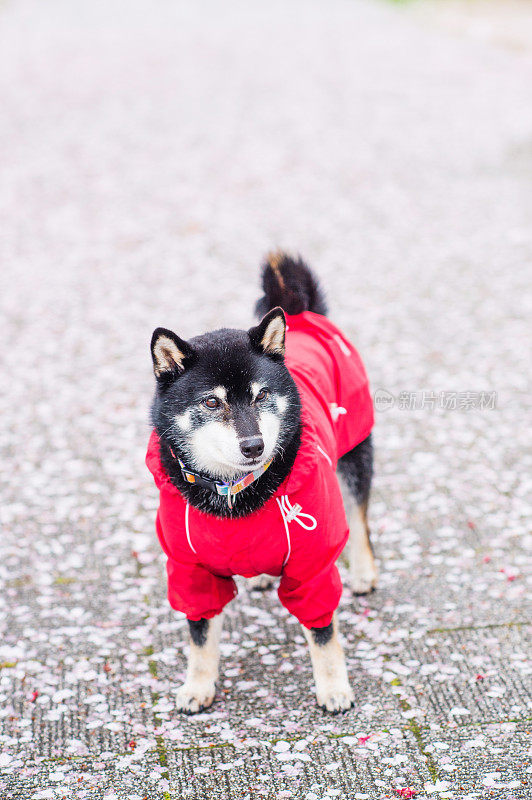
<point x="333" y="691"/>
<point x="363" y="571"/>
<point x="261" y="582"/>
<point x="198" y="690"/>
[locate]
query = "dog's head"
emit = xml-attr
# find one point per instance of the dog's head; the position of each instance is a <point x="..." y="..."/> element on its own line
<point x="225" y="401"/>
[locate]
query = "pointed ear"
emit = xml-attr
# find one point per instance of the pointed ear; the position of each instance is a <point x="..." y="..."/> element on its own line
<point x="268" y="336"/>
<point x="169" y="353"/>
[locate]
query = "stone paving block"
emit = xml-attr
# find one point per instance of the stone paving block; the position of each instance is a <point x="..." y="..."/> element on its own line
<point x="83" y="717"/>
<point x="427" y="558"/>
<point x="110" y="777"/>
<point x="100" y="698"/>
<point x="436" y="599"/>
<point x="482" y="761"/>
<point x="473" y="675"/>
<point x="100" y="685"/>
<point x="267" y="688"/>
<point x="89" y="703"/>
<point x="343" y="768"/>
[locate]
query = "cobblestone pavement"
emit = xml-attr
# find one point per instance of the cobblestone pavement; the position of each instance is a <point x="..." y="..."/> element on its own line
<point x="151" y="153"/>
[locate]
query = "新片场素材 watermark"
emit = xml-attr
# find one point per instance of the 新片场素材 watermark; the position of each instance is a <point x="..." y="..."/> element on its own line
<point x="445" y="400"/>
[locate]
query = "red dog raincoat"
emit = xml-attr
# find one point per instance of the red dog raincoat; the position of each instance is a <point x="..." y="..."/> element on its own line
<point x="301" y="530"/>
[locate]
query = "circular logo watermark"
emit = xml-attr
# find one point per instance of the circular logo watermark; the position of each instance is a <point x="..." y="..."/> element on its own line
<point x="383" y="399"/>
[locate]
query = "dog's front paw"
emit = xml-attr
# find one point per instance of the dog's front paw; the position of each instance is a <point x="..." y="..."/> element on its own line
<point x="191" y="698"/>
<point x="363" y="577"/>
<point x="261" y="582"/>
<point x="336" y="699"/>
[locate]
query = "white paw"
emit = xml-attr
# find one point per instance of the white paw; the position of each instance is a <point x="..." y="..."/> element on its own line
<point x="261" y="582"/>
<point x="191" y="698"/>
<point x="336" y="699"/>
<point x="363" y="578"/>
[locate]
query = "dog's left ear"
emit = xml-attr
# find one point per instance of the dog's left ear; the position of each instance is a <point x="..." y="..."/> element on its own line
<point x="268" y="336"/>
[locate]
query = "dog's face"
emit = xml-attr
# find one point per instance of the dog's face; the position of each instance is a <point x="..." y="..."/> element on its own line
<point x="225" y="400"/>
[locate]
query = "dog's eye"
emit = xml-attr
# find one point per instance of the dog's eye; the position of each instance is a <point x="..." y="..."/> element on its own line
<point x="211" y="402"/>
<point x="262" y="395"/>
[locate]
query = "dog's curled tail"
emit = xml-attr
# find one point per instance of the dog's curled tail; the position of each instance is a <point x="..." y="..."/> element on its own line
<point x="289" y="283"/>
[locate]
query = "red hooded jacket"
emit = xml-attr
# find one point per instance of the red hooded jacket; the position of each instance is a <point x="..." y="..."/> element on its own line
<point x="301" y="530"/>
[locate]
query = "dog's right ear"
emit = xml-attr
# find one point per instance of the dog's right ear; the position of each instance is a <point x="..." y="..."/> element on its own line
<point x="170" y="354"/>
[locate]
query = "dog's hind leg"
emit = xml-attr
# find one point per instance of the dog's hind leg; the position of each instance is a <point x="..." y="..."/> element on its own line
<point x="333" y="691"/>
<point x="355" y="470"/>
<point x="197" y="693"/>
<point x="261" y="582"/>
<point x="363" y="571"/>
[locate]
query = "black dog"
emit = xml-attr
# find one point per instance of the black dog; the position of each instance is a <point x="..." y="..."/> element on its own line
<point x="235" y="429"/>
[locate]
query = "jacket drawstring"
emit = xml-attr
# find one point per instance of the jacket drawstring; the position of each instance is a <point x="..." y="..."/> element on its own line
<point x="289" y="513"/>
<point x="325" y="455"/>
<point x="294" y="513"/>
<point x="187" y="528"/>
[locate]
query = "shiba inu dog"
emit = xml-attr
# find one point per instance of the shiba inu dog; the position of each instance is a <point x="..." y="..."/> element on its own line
<point x="253" y="433"/>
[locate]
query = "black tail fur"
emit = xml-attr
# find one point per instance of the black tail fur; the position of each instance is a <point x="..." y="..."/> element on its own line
<point x="289" y="283"/>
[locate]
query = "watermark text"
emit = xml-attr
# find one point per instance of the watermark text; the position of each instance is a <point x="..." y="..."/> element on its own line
<point x="432" y="400"/>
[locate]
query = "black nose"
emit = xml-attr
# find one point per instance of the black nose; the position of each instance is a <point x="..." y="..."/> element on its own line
<point x="252" y="446"/>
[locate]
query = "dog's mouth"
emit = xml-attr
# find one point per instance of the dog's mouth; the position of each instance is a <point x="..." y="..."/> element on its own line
<point x="239" y="469"/>
<point x="251" y="464"/>
<point x="248" y="466"/>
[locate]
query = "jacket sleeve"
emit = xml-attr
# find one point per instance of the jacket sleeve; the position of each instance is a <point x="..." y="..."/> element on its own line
<point x="192" y="589"/>
<point x="312" y="593"/>
<point x="311" y="586"/>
